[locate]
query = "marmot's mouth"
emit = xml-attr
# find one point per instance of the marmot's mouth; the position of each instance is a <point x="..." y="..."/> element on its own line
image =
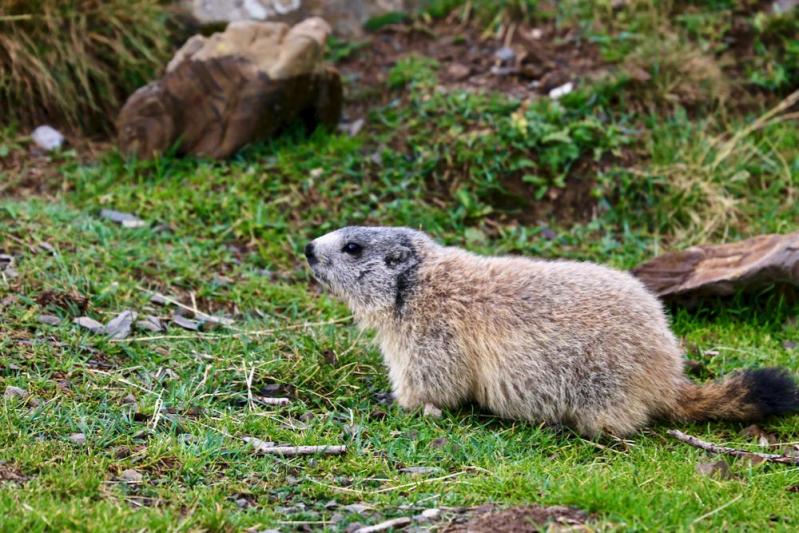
<point x="319" y="277"/>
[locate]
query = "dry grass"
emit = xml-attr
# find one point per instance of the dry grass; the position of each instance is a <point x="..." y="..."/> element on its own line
<point x="676" y="73"/>
<point x="73" y="63"/>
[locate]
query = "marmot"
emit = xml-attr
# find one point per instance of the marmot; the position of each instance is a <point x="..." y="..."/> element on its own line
<point x="557" y="342"/>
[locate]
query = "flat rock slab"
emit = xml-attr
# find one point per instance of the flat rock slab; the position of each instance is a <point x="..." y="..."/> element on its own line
<point x="723" y="269"/>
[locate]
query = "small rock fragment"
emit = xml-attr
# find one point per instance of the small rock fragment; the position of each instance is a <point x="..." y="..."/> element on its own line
<point x="505" y="54"/>
<point x="719" y="469"/>
<point x="357" y="508"/>
<point x="50" y="320"/>
<point x="78" y="438"/>
<point x="131" y="476"/>
<point x="439" y="442"/>
<point x="119" y="327"/>
<point x="47" y="138"/>
<point x="789" y="345"/>
<point x="160" y="299"/>
<point x="258" y="444"/>
<point x="561" y="91"/>
<point x="352" y="128"/>
<point x="130" y="399"/>
<point x="186" y="323"/>
<point x="15" y="392"/>
<point x="458" y="71"/>
<point x="90" y="324"/>
<point x="150" y="323"/>
<point x="126" y="220"/>
<point x="429" y="514"/>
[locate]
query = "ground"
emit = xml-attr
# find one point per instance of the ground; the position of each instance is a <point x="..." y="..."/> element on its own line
<point x="655" y="149"/>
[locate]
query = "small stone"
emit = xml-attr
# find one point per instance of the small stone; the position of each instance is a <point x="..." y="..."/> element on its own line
<point x="439" y="442"/>
<point x="186" y="323"/>
<point x="15" y="392"/>
<point x="357" y="508"/>
<point x="126" y="220"/>
<point x="719" y="469"/>
<point x="548" y="233"/>
<point x="130" y="399"/>
<point x="47" y="138"/>
<point x="150" y="323"/>
<point x="131" y="476"/>
<point x="430" y="514"/>
<point x="258" y="444"/>
<point x="355" y="127"/>
<point x="78" y="438"/>
<point x="89" y="323"/>
<point x="242" y="503"/>
<point x="789" y="345"/>
<point x="119" y="327"/>
<point x="505" y="54"/>
<point x="561" y="91"/>
<point x="458" y="71"/>
<point x="50" y="320"/>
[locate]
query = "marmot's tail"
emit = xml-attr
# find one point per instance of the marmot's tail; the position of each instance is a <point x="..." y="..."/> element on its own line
<point x="746" y="395"/>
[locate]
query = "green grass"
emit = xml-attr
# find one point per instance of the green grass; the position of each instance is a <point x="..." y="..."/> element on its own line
<point x="467" y="168"/>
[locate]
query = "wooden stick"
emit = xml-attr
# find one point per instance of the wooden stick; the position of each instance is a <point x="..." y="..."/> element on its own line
<point x="290" y="451"/>
<point x="388" y="524"/>
<point x="717" y="449"/>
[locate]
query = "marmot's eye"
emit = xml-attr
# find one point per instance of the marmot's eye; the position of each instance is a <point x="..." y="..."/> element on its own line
<point x="352" y="248"/>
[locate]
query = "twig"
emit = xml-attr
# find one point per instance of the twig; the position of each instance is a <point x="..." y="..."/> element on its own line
<point x="239" y="333"/>
<point x="290" y="451"/>
<point x="248" y="379"/>
<point x="193" y="308"/>
<point x="717" y="449"/>
<point x="388" y="524"/>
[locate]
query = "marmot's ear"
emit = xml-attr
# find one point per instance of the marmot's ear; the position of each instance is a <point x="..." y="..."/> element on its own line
<point x="398" y="255"/>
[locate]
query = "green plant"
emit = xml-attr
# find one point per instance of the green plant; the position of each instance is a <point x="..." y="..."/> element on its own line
<point x="776" y="48"/>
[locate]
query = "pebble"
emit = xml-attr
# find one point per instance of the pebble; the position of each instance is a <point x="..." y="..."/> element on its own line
<point x="47" y="138"/>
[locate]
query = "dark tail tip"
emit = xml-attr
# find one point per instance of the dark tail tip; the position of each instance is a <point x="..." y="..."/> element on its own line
<point x="772" y="391"/>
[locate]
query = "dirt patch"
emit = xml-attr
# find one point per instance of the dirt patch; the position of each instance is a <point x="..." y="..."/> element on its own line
<point x="525" y="519"/>
<point x="29" y="171"/>
<point x="11" y="474"/>
<point x="63" y="299"/>
<point x="526" y="61"/>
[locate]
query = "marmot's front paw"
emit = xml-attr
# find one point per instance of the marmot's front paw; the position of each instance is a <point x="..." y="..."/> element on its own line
<point x="432" y="411"/>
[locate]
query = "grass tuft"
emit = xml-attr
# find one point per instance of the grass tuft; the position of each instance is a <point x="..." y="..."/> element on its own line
<point x="74" y="63"/>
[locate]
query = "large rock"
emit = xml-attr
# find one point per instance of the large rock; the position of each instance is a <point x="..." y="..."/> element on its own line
<point x="723" y="269"/>
<point x="224" y="91"/>
<point x="345" y="16"/>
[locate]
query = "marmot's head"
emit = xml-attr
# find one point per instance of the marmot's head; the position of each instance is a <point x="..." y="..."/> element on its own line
<point x="372" y="268"/>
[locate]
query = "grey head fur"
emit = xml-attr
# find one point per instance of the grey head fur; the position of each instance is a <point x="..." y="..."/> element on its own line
<point x="373" y="269"/>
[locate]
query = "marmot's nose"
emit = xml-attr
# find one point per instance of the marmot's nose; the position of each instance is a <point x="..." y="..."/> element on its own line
<point x="309" y="255"/>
